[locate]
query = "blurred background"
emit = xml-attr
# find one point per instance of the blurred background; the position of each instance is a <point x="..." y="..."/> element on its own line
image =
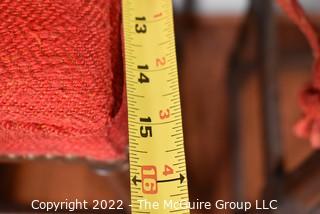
<point x="242" y="64"/>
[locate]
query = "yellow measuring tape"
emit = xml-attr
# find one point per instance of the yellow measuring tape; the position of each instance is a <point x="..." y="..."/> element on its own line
<point x="157" y="158"/>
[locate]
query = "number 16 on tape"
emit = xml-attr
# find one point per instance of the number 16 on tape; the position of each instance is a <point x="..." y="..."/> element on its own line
<point x="149" y="179"/>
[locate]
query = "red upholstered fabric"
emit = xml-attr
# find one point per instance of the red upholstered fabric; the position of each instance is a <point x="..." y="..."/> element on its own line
<point x="309" y="125"/>
<point x="61" y="79"/>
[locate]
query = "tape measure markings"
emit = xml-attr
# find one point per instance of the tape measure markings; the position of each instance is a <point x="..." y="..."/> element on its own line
<point x="156" y="151"/>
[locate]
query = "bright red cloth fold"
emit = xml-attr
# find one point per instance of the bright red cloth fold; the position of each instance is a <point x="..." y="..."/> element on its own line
<point x="61" y="79"/>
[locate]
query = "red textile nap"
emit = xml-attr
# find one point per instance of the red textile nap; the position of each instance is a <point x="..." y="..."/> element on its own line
<point x="61" y="79"/>
<point x="309" y="125"/>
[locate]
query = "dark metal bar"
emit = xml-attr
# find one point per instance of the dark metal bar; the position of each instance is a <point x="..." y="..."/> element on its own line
<point x="262" y="16"/>
<point x="266" y="54"/>
<point x="234" y="120"/>
<point x="237" y="73"/>
<point x="189" y="6"/>
<point x="184" y="25"/>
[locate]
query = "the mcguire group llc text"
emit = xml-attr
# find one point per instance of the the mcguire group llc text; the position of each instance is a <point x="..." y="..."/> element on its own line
<point x="207" y="205"/>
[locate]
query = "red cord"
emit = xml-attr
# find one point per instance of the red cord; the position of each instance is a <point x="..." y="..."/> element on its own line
<point x="309" y="125"/>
